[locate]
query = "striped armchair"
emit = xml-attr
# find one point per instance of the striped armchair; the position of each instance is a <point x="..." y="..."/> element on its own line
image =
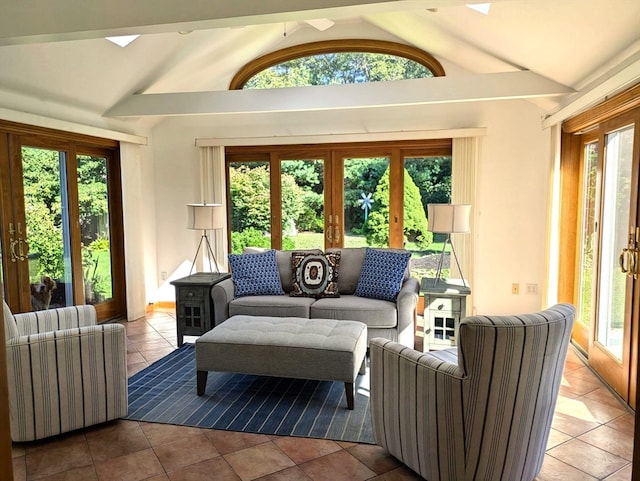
<point x="64" y="371"/>
<point x="481" y="412"/>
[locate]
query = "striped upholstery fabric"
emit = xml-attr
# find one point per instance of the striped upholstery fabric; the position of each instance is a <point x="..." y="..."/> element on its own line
<point x="481" y="413"/>
<point x="67" y="378"/>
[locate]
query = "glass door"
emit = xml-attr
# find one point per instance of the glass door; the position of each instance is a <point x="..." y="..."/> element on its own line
<point x="61" y="225"/>
<point x="359" y="213"/>
<point x="617" y="258"/>
<point x="43" y="238"/>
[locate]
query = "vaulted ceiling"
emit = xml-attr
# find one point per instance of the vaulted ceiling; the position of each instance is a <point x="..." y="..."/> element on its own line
<point x="54" y="56"/>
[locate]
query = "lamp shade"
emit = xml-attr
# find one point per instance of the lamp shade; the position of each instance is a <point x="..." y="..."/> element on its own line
<point x="205" y="216"/>
<point x="449" y="218"/>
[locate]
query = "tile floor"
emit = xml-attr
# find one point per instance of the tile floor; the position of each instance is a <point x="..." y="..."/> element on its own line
<point x="591" y="439"/>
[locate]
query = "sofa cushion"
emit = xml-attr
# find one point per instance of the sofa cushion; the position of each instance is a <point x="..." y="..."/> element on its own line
<point x="351" y="259"/>
<point x="255" y="274"/>
<point x="382" y="274"/>
<point x="283" y="259"/>
<point x="315" y="275"/>
<point x="375" y="313"/>
<point x="275" y="306"/>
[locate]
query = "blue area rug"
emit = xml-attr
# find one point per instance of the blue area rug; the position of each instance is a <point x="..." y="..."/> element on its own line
<point x="165" y="392"/>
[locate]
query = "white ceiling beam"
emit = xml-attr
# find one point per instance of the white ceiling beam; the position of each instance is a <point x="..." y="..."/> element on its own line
<point x="463" y="88"/>
<point x="29" y="21"/>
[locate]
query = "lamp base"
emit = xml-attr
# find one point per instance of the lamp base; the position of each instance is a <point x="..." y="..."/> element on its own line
<point x="438" y="276"/>
<point x="205" y="240"/>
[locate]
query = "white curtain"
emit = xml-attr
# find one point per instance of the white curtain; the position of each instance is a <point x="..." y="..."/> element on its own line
<point x="133" y="218"/>
<point x="463" y="191"/>
<point x="213" y="190"/>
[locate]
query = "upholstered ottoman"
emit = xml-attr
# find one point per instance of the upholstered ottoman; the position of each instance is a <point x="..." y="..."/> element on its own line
<point x="321" y="349"/>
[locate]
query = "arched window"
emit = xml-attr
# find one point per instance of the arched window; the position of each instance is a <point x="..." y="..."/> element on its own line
<point x="337" y="62"/>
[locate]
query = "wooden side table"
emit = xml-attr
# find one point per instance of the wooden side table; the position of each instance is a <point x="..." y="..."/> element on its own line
<point x="194" y="305"/>
<point x="445" y="304"/>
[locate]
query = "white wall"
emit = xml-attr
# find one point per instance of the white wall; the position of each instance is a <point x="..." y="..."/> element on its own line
<point x="512" y="193"/>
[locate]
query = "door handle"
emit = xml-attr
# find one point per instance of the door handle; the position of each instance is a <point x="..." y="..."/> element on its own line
<point x="12" y="248"/>
<point x="330" y="234"/>
<point x="628" y="262"/>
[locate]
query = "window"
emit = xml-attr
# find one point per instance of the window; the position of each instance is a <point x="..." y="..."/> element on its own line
<point x="337" y="62"/>
<point x="339" y="195"/>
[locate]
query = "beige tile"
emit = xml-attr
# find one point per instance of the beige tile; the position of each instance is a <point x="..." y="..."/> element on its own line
<point x="158" y="434"/>
<point x="290" y="474"/>
<point x="86" y="473"/>
<point x="57" y="455"/>
<point x="19" y="468"/>
<point x="211" y="469"/>
<point x="602" y="411"/>
<point x="376" y="458"/>
<point x="610" y="440"/>
<point x="116" y="439"/>
<point x="577" y="385"/>
<point x="301" y="450"/>
<point x="183" y="452"/>
<point x="623" y="475"/>
<point x="556" y="437"/>
<point x="230" y="441"/>
<point x="590" y="459"/>
<point x="624" y="423"/>
<point x="258" y="461"/>
<point x="130" y="467"/>
<point x="604" y="395"/>
<point x="572" y="425"/>
<point x="339" y="466"/>
<point x="555" y="470"/>
<point x="399" y="474"/>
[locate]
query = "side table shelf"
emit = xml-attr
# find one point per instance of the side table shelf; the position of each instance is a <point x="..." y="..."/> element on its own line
<point x="194" y="306"/>
<point x="445" y="304"/>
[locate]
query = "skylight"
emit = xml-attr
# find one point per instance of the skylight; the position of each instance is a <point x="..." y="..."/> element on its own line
<point x="122" y="40"/>
<point x="483" y="8"/>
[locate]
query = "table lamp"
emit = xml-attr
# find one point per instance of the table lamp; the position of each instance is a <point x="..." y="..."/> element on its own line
<point x="448" y="219"/>
<point x="205" y="217"/>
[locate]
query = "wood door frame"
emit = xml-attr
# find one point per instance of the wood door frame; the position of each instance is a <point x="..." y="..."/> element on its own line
<point x="610" y="115"/>
<point x="13" y="137"/>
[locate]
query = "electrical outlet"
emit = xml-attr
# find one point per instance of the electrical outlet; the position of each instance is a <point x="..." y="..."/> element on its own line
<point x="515" y="288"/>
<point x="532" y="289"/>
<point x="163" y="275"/>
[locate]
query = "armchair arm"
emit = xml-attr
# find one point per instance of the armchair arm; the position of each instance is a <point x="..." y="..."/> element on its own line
<point x="417" y="409"/>
<point x="406" y="306"/>
<point x="222" y="294"/>
<point x="65" y="380"/>
<point x="55" y="319"/>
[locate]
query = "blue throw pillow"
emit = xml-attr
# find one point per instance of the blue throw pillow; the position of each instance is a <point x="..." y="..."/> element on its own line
<point x="382" y="274"/>
<point x="255" y="274"/>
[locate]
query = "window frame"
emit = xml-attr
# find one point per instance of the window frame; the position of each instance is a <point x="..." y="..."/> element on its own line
<point x="335" y="46"/>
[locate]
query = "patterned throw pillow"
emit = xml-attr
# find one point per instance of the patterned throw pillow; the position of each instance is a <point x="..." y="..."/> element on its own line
<point x="315" y="275"/>
<point x="382" y="274"/>
<point x="255" y="274"/>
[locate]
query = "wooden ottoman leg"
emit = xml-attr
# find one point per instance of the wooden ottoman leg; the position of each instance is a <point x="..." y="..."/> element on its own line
<point x="201" y="381"/>
<point x="348" y="388"/>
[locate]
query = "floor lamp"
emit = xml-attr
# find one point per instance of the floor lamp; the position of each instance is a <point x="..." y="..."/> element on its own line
<point x="449" y="219"/>
<point x="205" y="217"/>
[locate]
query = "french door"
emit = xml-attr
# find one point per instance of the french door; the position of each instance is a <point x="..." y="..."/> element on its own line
<point x="61" y="224"/>
<point x="608" y="262"/>
<point x="344" y="195"/>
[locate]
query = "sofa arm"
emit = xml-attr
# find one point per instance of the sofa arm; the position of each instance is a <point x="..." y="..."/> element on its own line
<point x="406" y="306"/>
<point x="66" y="380"/>
<point x="55" y="319"/>
<point x="222" y="294"/>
